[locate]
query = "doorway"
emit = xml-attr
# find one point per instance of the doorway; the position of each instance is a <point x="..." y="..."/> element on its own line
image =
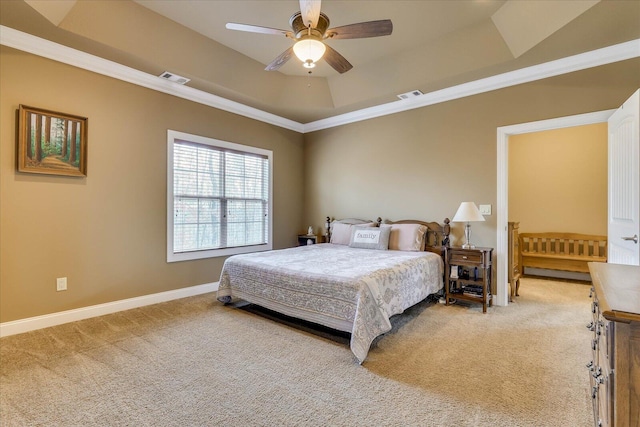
<point x="558" y="183"/>
<point x="502" y="287"/>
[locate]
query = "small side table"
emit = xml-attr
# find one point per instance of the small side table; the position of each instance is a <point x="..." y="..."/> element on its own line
<point x="309" y="239"/>
<point x="475" y="284"/>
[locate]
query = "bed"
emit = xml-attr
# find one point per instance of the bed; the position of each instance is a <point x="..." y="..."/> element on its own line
<point x="346" y="287"/>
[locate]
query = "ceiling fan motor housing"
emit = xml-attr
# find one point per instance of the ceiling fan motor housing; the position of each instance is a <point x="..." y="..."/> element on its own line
<point x="301" y="30"/>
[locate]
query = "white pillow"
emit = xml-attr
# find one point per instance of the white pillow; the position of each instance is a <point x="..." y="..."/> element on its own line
<point x="370" y="237"/>
<point x="341" y="232"/>
<point x="407" y="237"/>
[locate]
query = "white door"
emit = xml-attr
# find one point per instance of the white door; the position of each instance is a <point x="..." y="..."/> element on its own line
<point x="624" y="183"/>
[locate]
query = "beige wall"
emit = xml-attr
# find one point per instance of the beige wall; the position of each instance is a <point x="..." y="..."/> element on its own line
<point x="107" y="233"/>
<point x="422" y="163"/>
<point x="558" y="180"/>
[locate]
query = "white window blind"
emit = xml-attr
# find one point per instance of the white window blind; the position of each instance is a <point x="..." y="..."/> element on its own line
<point x="220" y="198"/>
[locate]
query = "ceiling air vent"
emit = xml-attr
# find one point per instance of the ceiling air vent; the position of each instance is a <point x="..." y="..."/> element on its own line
<point x="174" y="78"/>
<point x="411" y="94"/>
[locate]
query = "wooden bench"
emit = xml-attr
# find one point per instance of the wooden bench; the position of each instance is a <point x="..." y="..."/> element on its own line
<point x="561" y="251"/>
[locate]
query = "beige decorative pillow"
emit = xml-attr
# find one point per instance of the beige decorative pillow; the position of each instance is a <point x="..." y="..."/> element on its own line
<point x="407" y="237"/>
<point x="341" y="232"/>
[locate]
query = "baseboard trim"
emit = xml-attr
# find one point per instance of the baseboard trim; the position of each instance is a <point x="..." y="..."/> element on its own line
<point x="557" y="274"/>
<point x="38" y="322"/>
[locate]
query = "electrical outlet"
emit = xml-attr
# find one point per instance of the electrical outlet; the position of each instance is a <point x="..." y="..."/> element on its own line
<point x="485" y="209"/>
<point x="61" y="284"/>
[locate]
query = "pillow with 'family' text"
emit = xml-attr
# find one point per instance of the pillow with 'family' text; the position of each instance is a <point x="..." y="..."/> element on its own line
<point x="370" y="237"/>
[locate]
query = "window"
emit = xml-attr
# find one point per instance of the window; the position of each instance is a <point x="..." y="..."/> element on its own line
<point x="218" y="198"/>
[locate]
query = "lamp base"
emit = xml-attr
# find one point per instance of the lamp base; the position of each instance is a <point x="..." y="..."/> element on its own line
<point x="467" y="237"/>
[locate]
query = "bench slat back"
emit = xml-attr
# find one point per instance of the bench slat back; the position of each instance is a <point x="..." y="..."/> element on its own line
<point x="570" y="244"/>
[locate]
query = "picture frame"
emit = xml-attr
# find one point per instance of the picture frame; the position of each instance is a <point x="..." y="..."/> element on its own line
<point x="50" y="142"/>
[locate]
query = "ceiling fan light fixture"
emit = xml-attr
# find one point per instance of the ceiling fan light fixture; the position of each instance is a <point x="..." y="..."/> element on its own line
<point x="309" y="51"/>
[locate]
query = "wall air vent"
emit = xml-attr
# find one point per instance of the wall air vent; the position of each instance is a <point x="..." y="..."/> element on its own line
<point x="174" y="78"/>
<point x="411" y="94"/>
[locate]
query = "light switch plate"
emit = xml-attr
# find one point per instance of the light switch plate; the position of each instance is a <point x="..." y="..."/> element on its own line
<point x="485" y="209"/>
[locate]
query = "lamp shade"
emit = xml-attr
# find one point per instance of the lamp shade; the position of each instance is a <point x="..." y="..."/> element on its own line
<point x="309" y="51"/>
<point x="467" y="212"/>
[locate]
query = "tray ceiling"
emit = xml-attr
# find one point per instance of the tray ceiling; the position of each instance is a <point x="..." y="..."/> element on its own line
<point x="434" y="45"/>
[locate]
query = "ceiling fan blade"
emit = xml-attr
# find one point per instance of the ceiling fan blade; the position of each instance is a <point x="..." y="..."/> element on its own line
<point x="310" y="10"/>
<point x="280" y="60"/>
<point x="257" y="29"/>
<point x="383" y="27"/>
<point x="337" y="61"/>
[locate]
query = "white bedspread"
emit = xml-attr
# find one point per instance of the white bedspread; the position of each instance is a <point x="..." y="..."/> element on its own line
<point x="349" y="289"/>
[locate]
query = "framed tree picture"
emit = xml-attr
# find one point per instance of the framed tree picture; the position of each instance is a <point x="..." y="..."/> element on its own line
<point x="51" y="143"/>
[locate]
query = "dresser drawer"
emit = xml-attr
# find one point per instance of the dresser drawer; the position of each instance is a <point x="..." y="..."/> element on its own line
<point x="466" y="258"/>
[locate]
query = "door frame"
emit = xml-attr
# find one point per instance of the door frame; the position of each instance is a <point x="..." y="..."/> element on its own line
<point x="502" y="203"/>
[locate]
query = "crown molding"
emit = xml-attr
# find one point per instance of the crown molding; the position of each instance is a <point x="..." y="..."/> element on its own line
<point x="57" y="52"/>
<point x="594" y="58"/>
<point x="38" y="46"/>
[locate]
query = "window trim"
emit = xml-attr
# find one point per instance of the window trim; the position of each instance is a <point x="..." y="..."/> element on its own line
<point x="173" y="136"/>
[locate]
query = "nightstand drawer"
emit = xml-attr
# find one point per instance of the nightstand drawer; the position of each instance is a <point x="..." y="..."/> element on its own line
<point x="463" y="257"/>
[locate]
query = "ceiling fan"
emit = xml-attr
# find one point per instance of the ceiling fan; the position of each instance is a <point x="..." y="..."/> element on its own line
<point x="309" y="28"/>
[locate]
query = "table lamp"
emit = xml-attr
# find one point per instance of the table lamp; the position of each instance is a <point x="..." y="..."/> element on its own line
<point x="467" y="212"/>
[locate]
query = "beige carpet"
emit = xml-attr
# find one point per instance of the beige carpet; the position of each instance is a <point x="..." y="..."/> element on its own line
<point x="194" y="362"/>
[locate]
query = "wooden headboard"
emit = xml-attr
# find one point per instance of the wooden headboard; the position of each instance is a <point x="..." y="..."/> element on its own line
<point x="437" y="236"/>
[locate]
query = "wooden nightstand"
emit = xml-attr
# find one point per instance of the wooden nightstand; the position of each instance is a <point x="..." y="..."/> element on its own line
<point x="473" y="281"/>
<point x="309" y="239"/>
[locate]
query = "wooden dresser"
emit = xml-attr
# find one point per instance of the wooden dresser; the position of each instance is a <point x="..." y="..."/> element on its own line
<point x="615" y="367"/>
<point x="513" y="262"/>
